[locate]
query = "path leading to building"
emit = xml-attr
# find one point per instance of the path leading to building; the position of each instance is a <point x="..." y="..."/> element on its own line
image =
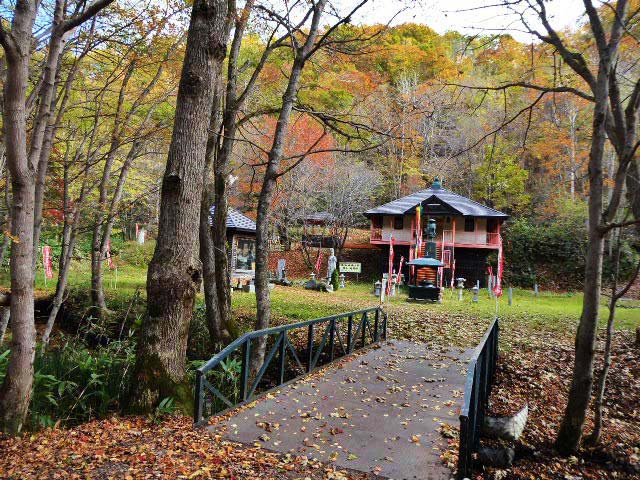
<point x="378" y="412"/>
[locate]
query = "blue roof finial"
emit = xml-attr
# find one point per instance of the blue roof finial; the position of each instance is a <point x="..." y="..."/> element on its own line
<point x="436" y="183"/>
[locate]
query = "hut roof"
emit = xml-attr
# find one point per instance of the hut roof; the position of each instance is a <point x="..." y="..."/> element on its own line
<point x="235" y="220"/>
<point x="437" y="200"/>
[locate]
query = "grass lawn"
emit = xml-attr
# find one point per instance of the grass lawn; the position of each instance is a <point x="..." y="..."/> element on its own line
<point x="548" y="312"/>
<point x="453" y="322"/>
<point x="550" y="316"/>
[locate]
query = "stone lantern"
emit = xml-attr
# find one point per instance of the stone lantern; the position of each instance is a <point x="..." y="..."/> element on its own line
<point x="377" y="288"/>
<point x="460" y="286"/>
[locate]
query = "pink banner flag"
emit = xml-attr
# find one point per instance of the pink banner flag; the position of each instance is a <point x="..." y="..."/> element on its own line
<point x="497" y="289"/>
<point x="47" y="262"/>
<point x="399" y="277"/>
<point x="318" y="263"/>
<point x="453" y="272"/>
<point x="390" y="276"/>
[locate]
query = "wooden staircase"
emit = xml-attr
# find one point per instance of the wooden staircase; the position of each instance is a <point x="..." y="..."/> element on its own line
<point x="423" y="251"/>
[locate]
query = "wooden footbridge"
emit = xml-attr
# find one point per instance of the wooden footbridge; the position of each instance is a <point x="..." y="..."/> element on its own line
<point x="379" y="409"/>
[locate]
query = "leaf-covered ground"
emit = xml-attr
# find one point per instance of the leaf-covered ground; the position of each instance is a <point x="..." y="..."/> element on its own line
<point x="536" y="371"/>
<point x="136" y="448"/>
<point x="535" y="367"/>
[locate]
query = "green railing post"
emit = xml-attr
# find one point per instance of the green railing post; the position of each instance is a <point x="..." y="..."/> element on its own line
<point x="198" y="400"/>
<point x="464" y="454"/>
<point x="283" y="354"/>
<point x="365" y="321"/>
<point x="310" y="347"/>
<point x="384" y="326"/>
<point x="350" y="334"/>
<point x="376" y="324"/>
<point x="332" y="339"/>
<point x="246" y="359"/>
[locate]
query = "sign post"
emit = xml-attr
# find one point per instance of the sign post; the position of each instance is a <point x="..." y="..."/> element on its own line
<point x="351" y="267"/>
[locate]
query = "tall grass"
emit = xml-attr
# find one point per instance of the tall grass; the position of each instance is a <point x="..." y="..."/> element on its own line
<point x="74" y="384"/>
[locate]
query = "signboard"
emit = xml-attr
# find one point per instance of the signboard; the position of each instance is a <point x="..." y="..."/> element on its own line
<point x="350" y="267"/>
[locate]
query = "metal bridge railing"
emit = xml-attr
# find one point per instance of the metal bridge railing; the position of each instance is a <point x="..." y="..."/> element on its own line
<point x="480" y="375"/>
<point x="225" y="380"/>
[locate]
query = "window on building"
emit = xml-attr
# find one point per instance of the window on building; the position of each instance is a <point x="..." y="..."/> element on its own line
<point x="245" y="254"/>
<point x="398" y="223"/>
<point x="469" y="224"/>
<point x="376" y="222"/>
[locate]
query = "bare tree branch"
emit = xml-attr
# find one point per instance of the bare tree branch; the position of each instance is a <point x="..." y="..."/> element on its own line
<point x="531" y="86"/>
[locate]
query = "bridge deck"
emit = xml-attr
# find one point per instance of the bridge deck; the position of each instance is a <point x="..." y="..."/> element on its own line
<point x="378" y="412"/>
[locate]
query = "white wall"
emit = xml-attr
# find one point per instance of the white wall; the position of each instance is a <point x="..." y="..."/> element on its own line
<point x="404" y="235"/>
<point x="478" y="236"/>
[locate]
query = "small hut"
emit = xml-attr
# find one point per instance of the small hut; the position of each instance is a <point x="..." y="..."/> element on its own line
<point x="241" y="235"/>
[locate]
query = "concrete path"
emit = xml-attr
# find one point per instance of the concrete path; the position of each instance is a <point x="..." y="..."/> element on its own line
<point x="378" y="412"/>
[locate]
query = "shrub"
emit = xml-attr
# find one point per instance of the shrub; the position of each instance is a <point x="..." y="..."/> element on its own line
<point x="552" y="251"/>
<point x="134" y="254"/>
<point x="199" y="344"/>
<point x="335" y="279"/>
<point x="73" y="384"/>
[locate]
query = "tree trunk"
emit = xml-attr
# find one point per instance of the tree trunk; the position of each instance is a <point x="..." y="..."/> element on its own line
<point x="97" y="252"/>
<point x="602" y="380"/>
<point x="15" y="392"/>
<point x="174" y="274"/>
<point x="222" y="273"/>
<point x="47" y="105"/>
<point x="221" y="171"/>
<point x="218" y="333"/>
<point x="16" y="388"/>
<point x="98" y="301"/>
<point x="633" y="189"/>
<point x="573" y="115"/>
<point x="263" y="298"/>
<point x="69" y="240"/>
<point x="570" y="432"/>
<point x="5" y="237"/>
<point x="214" y="250"/>
<point x="69" y="236"/>
<point x="2" y="149"/>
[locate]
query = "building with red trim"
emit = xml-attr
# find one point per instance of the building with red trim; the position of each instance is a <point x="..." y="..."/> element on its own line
<point x="466" y="231"/>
